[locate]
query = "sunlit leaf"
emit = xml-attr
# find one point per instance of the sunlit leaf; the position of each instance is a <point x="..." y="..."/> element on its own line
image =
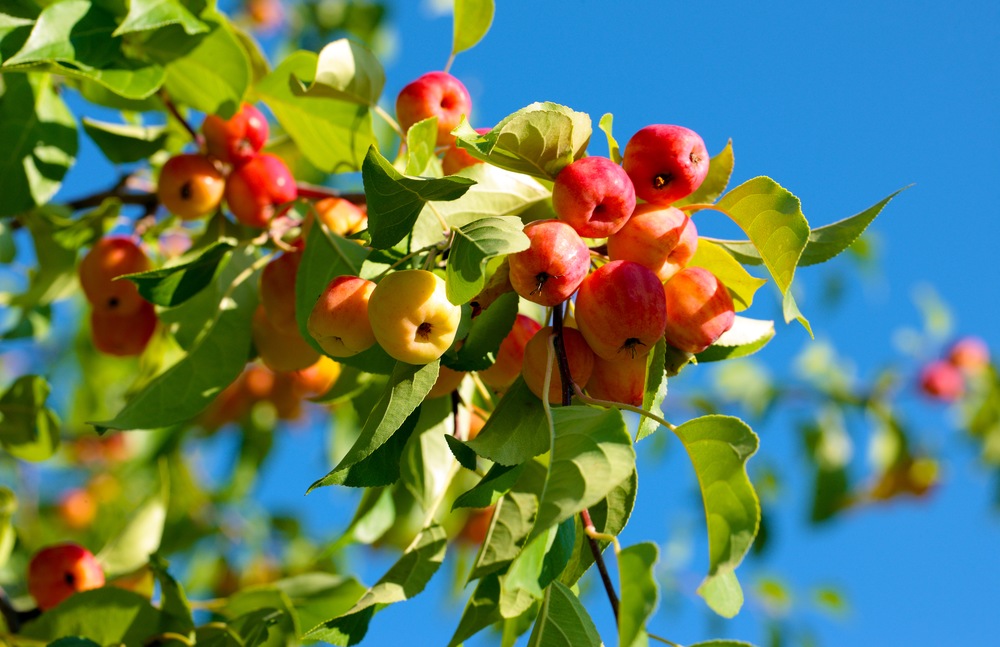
<point x="147" y="15"/>
<point x="421" y="140"/>
<point x="426" y="461"/>
<point x="130" y="549"/>
<point x="497" y="482"/>
<point x="29" y="430"/>
<point x="410" y="574"/>
<point x="406" y="389"/>
<point x="487" y="332"/>
<point x="746" y="337"/>
<point x="481" y="611"/>
<point x="538" y="140"/>
<point x="740" y="283"/>
<point x="108" y="615"/>
<point x="8" y="506"/>
<point x="654" y="391"/>
<point x="348" y="71"/>
<point x="639" y="592"/>
<point x="472" y="20"/>
<point x="614" y="151"/>
<point x="473" y="245"/>
<point x="563" y="621"/>
<point x="830" y="240"/>
<point x="609" y="517"/>
<point x="172" y="285"/>
<point x="125" y="143"/>
<point x="513" y="518"/>
<point x="516" y="430"/>
<point x="174" y="603"/>
<point x="395" y="201"/>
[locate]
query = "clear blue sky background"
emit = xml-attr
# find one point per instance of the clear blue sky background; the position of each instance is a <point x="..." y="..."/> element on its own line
<point x="841" y="103"/>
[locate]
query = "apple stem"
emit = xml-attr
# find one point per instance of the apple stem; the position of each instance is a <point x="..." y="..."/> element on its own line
<point x="607" y="404"/>
<point x="567" y="399"/>
<point x="451" y="60"/>
<point x="176" y="114"/>
<point x="663" y="640"/>
<point x="444" y="223"/>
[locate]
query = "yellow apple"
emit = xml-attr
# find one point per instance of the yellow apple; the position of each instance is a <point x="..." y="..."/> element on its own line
<point x="411" y="316"/>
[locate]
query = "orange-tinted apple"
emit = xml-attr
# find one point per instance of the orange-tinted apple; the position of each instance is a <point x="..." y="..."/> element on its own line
<point x="552" y="267"/>
<point x="622" y="379"/>
<point x="664" y="239"/>
<point x="316" y="379"/>
<point x="255" y="190"/>
<point x="510" y="356"/>
<point x="666" y="163"/>
<point x="190" y="186"/>
<point x="456" y="158"/>
<point x="339" y="321"/>
<point x="57" y="572"/>
<point x="578" y="354"/>
<point x="477" y="524"/>
<point x="77" y="509"/>
<point x="237" y="139"/>
<point x="123" y="335"/>
<point x="279" y="350"/>
<point x="699" y="309"/>
<point x="411" y="316"/>
<point x="109" y="258"/>
<point x="620" y="310"/>
<point x="970" y="355"/>
<point x="447" y="381"/>
<point x="277" y="290"/>
<point x="339" y="215"/>
<point x="435" y="94"/>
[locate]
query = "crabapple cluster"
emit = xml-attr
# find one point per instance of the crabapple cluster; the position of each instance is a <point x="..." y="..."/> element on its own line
<point x="945" y="378"/>
<point x="121" y="321"/>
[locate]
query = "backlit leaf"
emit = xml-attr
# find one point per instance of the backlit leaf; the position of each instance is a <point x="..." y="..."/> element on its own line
<point x="746" y="337"/>
<point x="410" y="574"/>
<point x="720" y="168"/>
<point x="740" y="283"/>
<point x="481" y="611"/>
<point x="107" y="615"/>
<point x="472" y="246"/>
<point x="130" y="549"/>
<point x="472" y="20"/>
<point x="348" y="71"/>
<point x="655" y="389"/>
<point x="146" y="15"/>
<point x="639" y="592"/>
<point x="497" y="482"/>
<point x="609" y="517"/>
<point x="125" y="143"/>
<point x="614" y="150"/>
<point x="563" y="621"/>
<point x="426" y="461"/>
<point x="830" y="240"/>
<point x="512" y="520"/>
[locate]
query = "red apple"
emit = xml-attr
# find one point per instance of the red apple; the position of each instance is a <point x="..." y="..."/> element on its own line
<point x="435" y="94"/>
<point x="622" y="379"/>
<point x="594" y="196"/>
<point x="339" y="321"/>
<point x="664" y="239"/>
<point x="256" y="189"/>
<point x="339" y="215"/>
<point x="57" y="572"/>
<point x="578" y="355"/>
<point x="942" y="380"/>
<point x="620" y="310"/>
<point x="123" y="334"/>
<point x="109" y="258"/>
<point x="666" y="163"/>
<point x="510" y="356"/>
<point x="699" y="309"/>
<point x="190" y="186"/>
<point x="970" y="355"/>
<point x="552" y="267"/>
<point x="277" y="290"/>
<point x="236" y="140"/>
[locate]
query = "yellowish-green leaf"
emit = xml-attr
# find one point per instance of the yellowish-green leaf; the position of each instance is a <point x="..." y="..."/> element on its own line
<point x="472" y="20"/>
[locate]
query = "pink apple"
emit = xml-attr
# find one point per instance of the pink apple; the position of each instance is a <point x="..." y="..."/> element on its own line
<point x="57" y="572"/>
<point x="339" y="320"/>
<point x="256" y="189"/>
<point x="236" y="140"/>
<point x="594" y="196"/>
<point x="620" y="310"/>
<point x="552" y="267"/>
<point x="942" y="380"/>
<point x="664" y="239"/>
<point x="435" y="94"/>
<point x="699" y="309"/>
<point x="666" y="163"/>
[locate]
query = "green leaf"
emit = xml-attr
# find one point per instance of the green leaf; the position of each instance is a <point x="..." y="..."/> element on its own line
<point x="537" y="565"/>
<point x="512" y="521"/>
<point x="147" y="15"/>
<point x="722" y="643"/>
<point x="421" y="140"/>
<point x="485" y="336"/>
<point x="426" y="462"/>
<point x="173" y="285"/>
<point x="108" y="616"/>
<point x="174" y="603"/>
<point x="591" y="454"/>
<point x="496" y="193"/>
<point x="395" y="201"/>
<point x="497" y="482"/>
<point x="746" y="337"/>
<point x="472" y="20"/>
<point x="563" y="621"/>
<point x="209" y="72"/>
<point x="830" y="240"/>
<point x="348" y="71"/>
<point x="655" y="390"/>
<point x="614" y="151"/>
<point x="465" y="456"/>
<point x="740" y="283"/>
<point x="516" y="430"/>
<point x="130" y="549"/>
<point x="473" y="245"/>
<point x="40" y="142"/>
<point x="720" y="169"/>
<point x="410" y="574"/>
<point x="216" y="357"/>
<point x="722" y="593"/>
<point x="639" y="592"/>
<point x="245" y="607"/>
<point x="790" y="311"/>
<point x="609" y="517"/>
<point x="316" y="596"/>
<point x="407" y="386"/>
<point x="382" y="466"/>
<point x="28" y="429"/>
<point x="481" y="611"/>
<point x="719" y="447"/>
<point x="75" y="38"/>
<point x="772" y="219"/>
<point x="345" y="630"/>
<point x="8" y="536"/>
<point x="126" y="143"/>
<point x="333" y="135"/>
<point x="538" y="140"/>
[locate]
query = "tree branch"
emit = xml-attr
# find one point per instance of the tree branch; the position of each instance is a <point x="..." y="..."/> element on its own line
<point x="176" y="114"/>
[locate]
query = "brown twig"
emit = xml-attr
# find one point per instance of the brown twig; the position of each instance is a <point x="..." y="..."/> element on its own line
<point x="176" y="114"/>
<point x="567" y="397"/>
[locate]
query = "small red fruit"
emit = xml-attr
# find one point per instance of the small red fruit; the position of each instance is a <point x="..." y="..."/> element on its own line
<point x="970" y="355"/>
<point x="663" y="239"/>
<point x="277" y="290"/>
<point x="57" y="572"/>
<point x="666" y="163"/>
<point x="942" y="380"/>
<point x="123" y="334"/>
<point x="594" y="196"/>
<point x="456" y="158"/>
<point x="256" y="189"/>
<point x="109" y="258"/>
<point x="339" y="321"/>
<point x="190" y="186"/>
<point x="510" y="356"/>
<point x="435" y="94"/>
<point x="622" y="379"/>
<point x="552" y="267"/>
<point x="699" y="309"/>
<point x="279" y="350"/>
<point x="236" y="140"/>
<point x="578" y="354"/>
